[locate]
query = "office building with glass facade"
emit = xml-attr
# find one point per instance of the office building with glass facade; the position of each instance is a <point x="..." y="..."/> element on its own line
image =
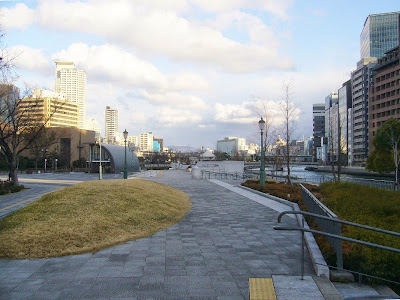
<point x="380" y="34"/>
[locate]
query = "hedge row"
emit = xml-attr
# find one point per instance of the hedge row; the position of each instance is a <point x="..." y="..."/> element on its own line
<point x="373" y="207"/>
<point x="360" y="204"/>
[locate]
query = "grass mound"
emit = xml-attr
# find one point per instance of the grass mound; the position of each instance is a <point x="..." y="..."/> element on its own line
<point x="90" y="216"/>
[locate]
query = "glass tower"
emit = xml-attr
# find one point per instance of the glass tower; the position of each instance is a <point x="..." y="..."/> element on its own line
<point x="380" y="34"/>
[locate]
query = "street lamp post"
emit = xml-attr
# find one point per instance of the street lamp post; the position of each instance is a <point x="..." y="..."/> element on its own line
<point x="45" y="159"/>
<point x="100" y="167"/>
<point x="261" y="125"/>
<point x="125" y="170"/>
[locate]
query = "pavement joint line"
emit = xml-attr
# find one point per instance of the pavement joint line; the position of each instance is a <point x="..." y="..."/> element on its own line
<point x="21" y="202"/>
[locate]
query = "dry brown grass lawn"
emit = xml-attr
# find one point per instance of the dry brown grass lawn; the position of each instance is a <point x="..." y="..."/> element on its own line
<point x="90" y="216"/>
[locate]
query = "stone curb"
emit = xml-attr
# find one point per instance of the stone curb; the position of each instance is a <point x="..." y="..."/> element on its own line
<point x="320" y="266"/>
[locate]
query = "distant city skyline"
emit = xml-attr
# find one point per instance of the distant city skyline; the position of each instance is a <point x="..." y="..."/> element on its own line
<point x="192" y="71"/>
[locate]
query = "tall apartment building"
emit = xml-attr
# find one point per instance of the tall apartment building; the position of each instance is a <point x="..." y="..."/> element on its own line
<point x="380" y="34"/>
<point x="384" y="92"/>
<point x="318" y="131"/>
<point x="344" y="126"/>
<point x="146" y="142"/>
<point x="360" y="80"/>
<point x="72" y="83"/>
<point x="54" y="111"/>
<point x="331" y="125"/>
<point x="111" y="125"/>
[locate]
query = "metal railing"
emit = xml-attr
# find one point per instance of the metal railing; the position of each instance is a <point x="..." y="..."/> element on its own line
<point x="317" y="179"/>
<point x="205" y="174"/>
<point x="335" y="236"/>
<point x="317" y="207"/>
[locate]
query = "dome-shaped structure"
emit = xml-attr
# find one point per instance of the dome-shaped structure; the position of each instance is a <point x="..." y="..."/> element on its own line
<point x="112" y="158"/>
<point x="208" y="155"/>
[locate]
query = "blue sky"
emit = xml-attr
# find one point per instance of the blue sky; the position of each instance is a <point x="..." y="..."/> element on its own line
<point x="192" y="71"/>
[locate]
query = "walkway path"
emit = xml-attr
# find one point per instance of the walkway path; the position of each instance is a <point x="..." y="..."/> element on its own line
<point x="223" y="241"/>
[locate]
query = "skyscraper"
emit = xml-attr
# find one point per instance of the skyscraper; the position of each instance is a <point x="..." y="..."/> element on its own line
<point x="360" y="80"/>
<point x="146" y="142"/>
<point x="111" y="125"/>
<point x="380" y="34"/>
<point x="318" y="130"/>
<point x="72" y="83"/>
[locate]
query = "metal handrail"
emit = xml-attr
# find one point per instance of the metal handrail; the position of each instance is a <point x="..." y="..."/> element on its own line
<point x="303" y="230"/>
<point x="337" y="221"/>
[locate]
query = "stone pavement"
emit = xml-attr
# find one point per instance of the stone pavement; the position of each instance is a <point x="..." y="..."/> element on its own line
<point x="211" y="253"/>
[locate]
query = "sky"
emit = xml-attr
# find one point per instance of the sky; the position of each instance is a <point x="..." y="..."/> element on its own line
<point x="192" y="71"/>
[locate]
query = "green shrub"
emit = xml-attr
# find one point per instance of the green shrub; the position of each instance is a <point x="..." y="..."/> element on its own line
<point x="359" y="204"/>
<point x="280" y="189"/>
<point x="6" y="187"/>
<point x="373" y="207"/>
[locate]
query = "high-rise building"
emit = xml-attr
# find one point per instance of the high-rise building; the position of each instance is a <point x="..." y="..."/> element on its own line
<point x="72" y="83"/>
<point x="331" y="125"/>
<point x="111" y="125"/>
<point x="384" y="92"/>
<point x="380" y="34"/>
<point x="146" y="142"/>
<point x="344" y="100"/>
<point x="318" y="130"/>
<point x="53" y="111"/>
<point x="360" y="80"/>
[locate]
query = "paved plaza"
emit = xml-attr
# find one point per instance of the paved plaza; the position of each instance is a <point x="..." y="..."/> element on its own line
<point x="225" y="239"/>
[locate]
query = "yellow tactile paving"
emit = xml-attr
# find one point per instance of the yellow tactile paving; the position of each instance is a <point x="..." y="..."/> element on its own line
<point x="261" y="289"/>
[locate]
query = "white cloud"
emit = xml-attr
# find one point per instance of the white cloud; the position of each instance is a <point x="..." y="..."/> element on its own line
<point x="185" y="81"/>
<point x="19" y="17"/>
<point x="278" y="8"/>
<point x="108" y="62"/>
<point x="173" y="99"/>
<point x="234" y="113"/>
<point x="151" y="29"/>
<point x="249" y="112"/>
<point x="30" y="59"/>
<point x="168" y="117"/>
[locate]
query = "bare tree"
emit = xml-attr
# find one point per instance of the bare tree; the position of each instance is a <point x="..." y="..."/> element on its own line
<point x="263" y="110"/>
<point x="290" y="113"/>
<point x="22" y="124"/>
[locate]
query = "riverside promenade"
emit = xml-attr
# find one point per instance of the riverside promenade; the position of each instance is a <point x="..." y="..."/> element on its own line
<point x="225" y="239"/>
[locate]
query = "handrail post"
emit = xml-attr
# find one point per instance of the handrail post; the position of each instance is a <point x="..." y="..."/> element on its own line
<point x="302" y="248"/>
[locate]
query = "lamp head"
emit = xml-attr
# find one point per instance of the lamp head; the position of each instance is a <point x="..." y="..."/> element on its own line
<point x="261" y="124"/>
<point x="125" y="134"/>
